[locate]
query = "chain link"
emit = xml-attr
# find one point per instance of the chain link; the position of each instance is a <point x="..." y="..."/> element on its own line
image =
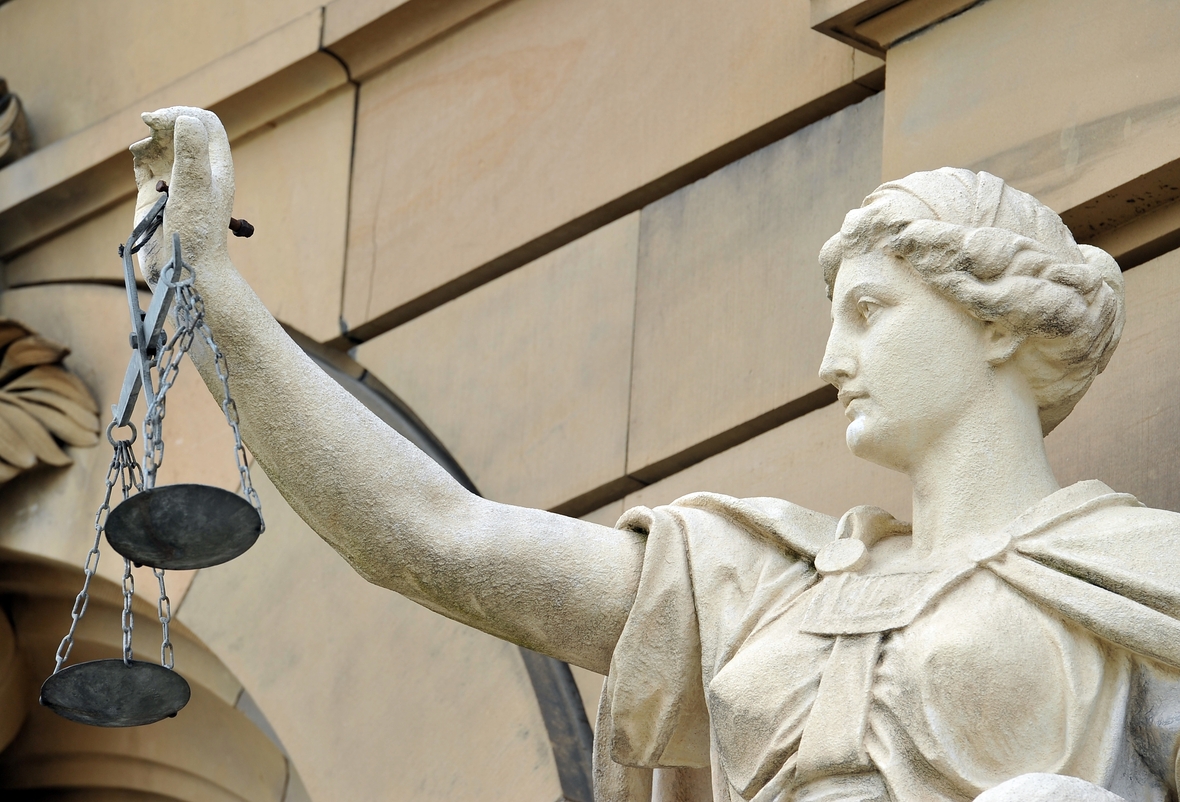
<point x="128" y="616"/>
<point x="164" y="610"/>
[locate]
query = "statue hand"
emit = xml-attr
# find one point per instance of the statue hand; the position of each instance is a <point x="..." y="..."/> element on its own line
<point x="188" y="148"/>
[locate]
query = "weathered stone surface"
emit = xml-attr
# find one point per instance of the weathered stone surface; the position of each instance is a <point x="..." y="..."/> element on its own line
<point x="590" y="683"/>
<point x="1063" y="99"/>
<point x="86" y="252"/>
<point x="805" y="462"/>
<point x="525" y="380"/>
<point x="369" y="34"/>
<point x="1126" y="429"/>
<point x="295" y="260"/>
<point x="731" y="316"/>
<point x="372" y="696"/>
<point x="538" y="113"/>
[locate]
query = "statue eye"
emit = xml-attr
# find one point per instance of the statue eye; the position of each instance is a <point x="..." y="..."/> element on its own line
<point x="867" y="307"/>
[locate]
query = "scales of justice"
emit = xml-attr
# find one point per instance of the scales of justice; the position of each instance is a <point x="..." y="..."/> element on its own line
<point x="172" y="527"/>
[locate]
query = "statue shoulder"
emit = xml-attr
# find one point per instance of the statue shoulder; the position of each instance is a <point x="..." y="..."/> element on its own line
<point x="790" y="527"/>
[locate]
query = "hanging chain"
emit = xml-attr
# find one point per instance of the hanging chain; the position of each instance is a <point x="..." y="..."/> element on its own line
<point x="190" y="319"/>
<point x="230" y="408"/>
<point x="168" y="361"/>
<point x="123" y="468"/>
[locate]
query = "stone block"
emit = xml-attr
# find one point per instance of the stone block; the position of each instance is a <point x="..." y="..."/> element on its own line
<point x="607" y="515"/>
<point x="87" y="252"/>
<point x="292" y="184"/>
<point x="88" y="171"/>
<point x="74" y="64"/>
<point x="805" y="461"/>
<point x="1125" y="430"/>
<point x="367" y="35"/>
<point x="1065" y="99"/>
<point x="526" y="379"/>
<point x="538" y="119"/>
<point x="372" y="696"/>
<point x="294" y="261"/>
<point x="731" y="312"/>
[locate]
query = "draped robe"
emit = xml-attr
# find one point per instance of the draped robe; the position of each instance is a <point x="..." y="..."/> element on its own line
<point x="743" y="673"/>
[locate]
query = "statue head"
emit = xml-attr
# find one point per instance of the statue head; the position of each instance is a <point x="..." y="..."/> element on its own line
<point x="1005" y="259"/>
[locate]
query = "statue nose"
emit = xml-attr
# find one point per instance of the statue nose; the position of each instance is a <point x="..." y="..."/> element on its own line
<point x="837" y="364"/>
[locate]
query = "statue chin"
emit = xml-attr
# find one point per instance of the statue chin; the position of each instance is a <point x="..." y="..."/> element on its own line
<point x="855" y="435"/>
<point x="866" y="444"/>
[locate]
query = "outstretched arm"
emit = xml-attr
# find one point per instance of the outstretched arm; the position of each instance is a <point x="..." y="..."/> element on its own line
<point x="554" y="584"/>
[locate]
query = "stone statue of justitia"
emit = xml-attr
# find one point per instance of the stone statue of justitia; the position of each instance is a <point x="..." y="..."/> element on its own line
<point x="1020" y="641"/>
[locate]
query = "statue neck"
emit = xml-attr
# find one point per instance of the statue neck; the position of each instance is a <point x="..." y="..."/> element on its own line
<point x="982" y="473"/>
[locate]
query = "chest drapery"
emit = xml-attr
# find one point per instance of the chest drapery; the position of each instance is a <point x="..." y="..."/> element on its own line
<point x="1049" y="649"/>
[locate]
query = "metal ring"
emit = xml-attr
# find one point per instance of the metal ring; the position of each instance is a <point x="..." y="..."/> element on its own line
<point x="111" y="428"/>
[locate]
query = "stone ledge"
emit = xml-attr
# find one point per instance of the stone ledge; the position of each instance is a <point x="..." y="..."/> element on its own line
<point x="875" y="25"/>
<point x="86" y="172"/>
<point x="367" y="35"/>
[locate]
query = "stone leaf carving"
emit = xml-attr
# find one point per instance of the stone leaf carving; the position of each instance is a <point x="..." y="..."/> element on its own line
<point x="42" y="405"/>
<point x="14" y="128"/>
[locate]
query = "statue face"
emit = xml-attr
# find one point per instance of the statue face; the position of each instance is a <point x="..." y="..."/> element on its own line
<point x="909" y="363"/>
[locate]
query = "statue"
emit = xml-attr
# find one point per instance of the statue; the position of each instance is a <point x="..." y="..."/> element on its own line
<point x="1020" y="641"/>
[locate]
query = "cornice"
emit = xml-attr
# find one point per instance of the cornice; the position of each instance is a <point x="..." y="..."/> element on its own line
<point x="876" y="25"/>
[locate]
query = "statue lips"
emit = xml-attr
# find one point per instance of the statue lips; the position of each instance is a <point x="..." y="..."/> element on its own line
<point x="847" y="397"/>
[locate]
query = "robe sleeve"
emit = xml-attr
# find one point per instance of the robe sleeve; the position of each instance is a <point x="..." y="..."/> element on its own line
<point x="745" y="557"/>
<point x="655" y="700"/>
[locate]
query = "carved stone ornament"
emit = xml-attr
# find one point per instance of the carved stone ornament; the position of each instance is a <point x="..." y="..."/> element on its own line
<point x="14" y="129"/>
<point x="1018" y="641"/>
<point x="42" y="405"/>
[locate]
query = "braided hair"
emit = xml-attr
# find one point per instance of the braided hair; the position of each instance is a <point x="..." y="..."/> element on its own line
<point x="1006" y="258"/>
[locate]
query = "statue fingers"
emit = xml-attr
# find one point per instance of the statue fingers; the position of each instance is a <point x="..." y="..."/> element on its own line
<point x="151" y="161"/>
<point x="164" y="121"/>
<point x="192" y="175"/>
<point x="196" y="208"/>
<point x="221" y="163"/>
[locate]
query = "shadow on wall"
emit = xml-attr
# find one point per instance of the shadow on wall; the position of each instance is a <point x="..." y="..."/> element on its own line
<point x="560" y="702"/>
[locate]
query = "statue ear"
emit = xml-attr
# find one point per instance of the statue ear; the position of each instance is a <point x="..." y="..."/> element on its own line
<point x="1002" y="342"/>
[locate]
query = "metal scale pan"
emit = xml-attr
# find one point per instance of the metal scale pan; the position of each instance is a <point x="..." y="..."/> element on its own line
<point x="182" y="527"/>
<point x="112" y="693"/>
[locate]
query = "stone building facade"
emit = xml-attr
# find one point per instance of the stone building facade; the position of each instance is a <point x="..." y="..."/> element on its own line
<point x="578" y="239"/>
